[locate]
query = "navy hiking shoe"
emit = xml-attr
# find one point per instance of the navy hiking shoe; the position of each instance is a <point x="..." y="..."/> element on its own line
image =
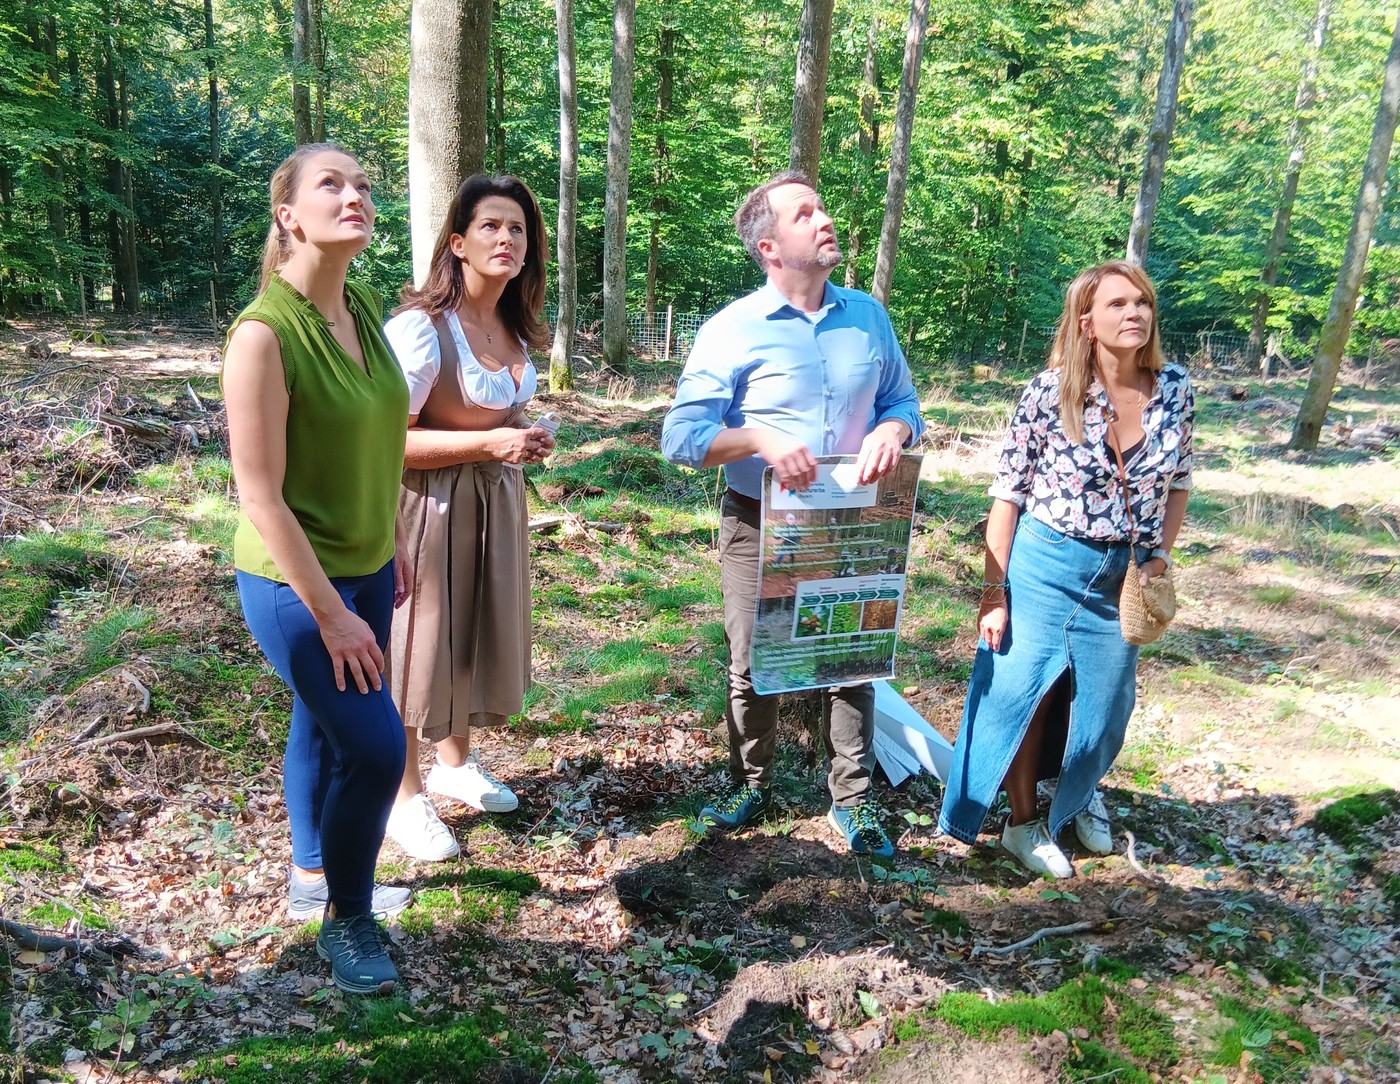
<point x="355" y="950"/>
<point x="860" y="824"/>
<point x="738" y="809"/>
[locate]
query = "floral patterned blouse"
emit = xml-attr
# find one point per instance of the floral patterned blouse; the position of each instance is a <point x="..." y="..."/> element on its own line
<point x="1074" y="488"/>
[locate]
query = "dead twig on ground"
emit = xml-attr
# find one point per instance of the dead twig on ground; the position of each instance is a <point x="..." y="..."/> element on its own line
<point x="142" y="733"/>
<point x="26" y="937"/>
<point x="1033" y="939"/>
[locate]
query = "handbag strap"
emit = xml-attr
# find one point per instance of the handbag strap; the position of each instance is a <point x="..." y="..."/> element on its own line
<point x="1123" y="485"/>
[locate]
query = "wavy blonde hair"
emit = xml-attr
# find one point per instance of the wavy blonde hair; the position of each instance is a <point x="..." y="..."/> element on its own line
<point x="1072" y="352"/>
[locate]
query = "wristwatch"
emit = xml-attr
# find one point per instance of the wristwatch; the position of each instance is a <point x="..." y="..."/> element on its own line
<point x="1164" y="555"/>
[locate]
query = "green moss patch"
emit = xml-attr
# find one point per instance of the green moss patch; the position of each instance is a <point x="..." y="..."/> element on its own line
<point x="1137" y="1038"/>
<point x="385" y="1042"/>
<point x="475" y="895"/>
<point x="29" y="858"/>
<point x="1345" y="821"/>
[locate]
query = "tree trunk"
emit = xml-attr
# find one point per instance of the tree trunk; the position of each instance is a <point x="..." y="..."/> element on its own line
<point x="498" y="103"/>
<point x="317" y="37"/>
<point x="54" y="173"/>
<point x="665" y="78"/>
<point x="561" y="357"/>
<point x="1332" y="343"/>
<point x="899" y="149"/>
<point x="449" y="43"/>
<point x="869" y="143"/>
<point x="302" y="36"/>
<point x="809" y="92"/>
<point x="121" y="253"/>
<point x="216" y="187"/>
<point x="1303" y="104"/>
<point x="131" y="285"/>
<point x="1159" y="137"/>
<point x="81" y="167"/>
<point x="615" y="202"/>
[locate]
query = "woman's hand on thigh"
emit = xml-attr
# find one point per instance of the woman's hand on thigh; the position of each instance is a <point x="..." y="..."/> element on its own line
<point x="352" y="647"/>
<point x="992" y="619"/>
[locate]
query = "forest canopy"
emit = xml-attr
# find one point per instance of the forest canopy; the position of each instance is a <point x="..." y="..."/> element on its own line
<point x="1025" y="155"/>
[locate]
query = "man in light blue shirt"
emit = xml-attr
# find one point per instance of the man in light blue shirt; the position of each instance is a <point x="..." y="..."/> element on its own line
<point x="796" y="369"/>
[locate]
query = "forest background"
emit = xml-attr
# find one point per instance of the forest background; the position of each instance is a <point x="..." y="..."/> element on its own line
<point x="1027" y="146"/>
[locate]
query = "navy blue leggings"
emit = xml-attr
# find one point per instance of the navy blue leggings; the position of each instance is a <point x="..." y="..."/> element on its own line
<point x="345" y="750"/>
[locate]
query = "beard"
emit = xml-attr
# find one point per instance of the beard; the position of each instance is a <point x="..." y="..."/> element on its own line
<point x="827" y="258"/>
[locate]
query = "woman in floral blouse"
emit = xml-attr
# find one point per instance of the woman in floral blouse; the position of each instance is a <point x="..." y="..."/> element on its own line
<point x="1054" y="682"/>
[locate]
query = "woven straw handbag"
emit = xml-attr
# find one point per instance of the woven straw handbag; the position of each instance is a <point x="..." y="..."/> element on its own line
<point x="1144" y="612"/>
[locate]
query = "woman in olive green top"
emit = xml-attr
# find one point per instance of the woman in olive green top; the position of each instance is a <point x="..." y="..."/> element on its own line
<point x="316" y="411"/>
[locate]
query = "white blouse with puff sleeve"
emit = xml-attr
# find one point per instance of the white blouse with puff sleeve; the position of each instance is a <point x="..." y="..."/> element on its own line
<point x="415" y="344"/>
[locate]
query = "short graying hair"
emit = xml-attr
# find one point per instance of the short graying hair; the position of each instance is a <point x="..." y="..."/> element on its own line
<point x="755" y="218"/>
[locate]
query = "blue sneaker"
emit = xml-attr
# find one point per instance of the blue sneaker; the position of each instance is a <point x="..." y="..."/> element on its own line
<point x="355" y="950"/>
<point x="860" y="824"/>
<point x="738" y="809"/>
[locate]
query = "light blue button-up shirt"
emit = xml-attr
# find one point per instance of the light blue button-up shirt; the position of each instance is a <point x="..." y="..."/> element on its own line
<point x="826" y="378"/>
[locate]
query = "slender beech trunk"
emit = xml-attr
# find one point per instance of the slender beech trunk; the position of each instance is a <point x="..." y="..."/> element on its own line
<point x="899" y="149"/>
<point x="120" y="250"/>
<point x="498" y="102"/>
<point x="318" y="65"/>
<point x="1333" y="340"/>
<point x="661" y="170"/>
<point x="303" y="32"/>
<point x="216" y="188"/>
<point x="449" y="42"/>
<point x="561" y="357"/>
<point x="81" y="167"/>
<point x="55" y="171"/>
<point x="1303" y="104"/>
<point x="869" y="143"/>
<point x="615" y="201"/>
<point x="1159" y="137"/>
<point x="131" y="281"/>
<point x="809" y="91"/>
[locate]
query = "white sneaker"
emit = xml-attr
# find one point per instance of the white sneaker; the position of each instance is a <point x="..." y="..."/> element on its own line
<point x="473" y="784"/>
<point x="1093" y="828"/>
<point x="1032" y="845"/>
<point x="415" y="826"/>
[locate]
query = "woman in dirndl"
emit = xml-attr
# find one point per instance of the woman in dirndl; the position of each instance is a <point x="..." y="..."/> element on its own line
<point x="1054" y="682"/>
<point x="460" y="648"/>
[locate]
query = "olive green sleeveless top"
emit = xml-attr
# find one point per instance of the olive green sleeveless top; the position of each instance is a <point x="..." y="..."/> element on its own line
<point x="345" y="435"/>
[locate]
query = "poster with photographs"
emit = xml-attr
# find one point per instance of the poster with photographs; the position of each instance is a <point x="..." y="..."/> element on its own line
<point x="832" y="576"/>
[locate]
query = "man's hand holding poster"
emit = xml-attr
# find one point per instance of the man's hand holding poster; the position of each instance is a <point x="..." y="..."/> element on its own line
<point x="832" y="576"/>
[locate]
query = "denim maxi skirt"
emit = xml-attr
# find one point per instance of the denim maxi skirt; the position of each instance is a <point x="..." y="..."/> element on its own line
<point x="1064" y="619"/>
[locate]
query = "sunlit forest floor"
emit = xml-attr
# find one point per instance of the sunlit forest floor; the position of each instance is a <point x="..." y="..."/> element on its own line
<point x="1248" y="934"/>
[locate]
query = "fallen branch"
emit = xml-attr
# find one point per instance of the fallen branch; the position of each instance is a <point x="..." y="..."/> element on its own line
<point x="1033" y="939"/>
<point x="548" y="524"/>
<point x="159" y="730"/>
<point x="28" y="938"/>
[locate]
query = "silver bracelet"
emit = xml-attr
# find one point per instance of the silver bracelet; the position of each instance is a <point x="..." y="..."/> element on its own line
<point x="1162" y="554"/>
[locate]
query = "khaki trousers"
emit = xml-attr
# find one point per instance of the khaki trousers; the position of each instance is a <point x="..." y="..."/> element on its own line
<point x="848" y="716"/>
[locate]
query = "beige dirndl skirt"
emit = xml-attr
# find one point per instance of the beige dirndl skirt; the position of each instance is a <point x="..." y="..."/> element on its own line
<point x="459" y="649"/>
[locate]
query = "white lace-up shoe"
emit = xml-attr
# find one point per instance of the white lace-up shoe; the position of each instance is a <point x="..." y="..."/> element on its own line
<point x="1032" y="845"/>
<point x="415" y="826"/>
<point x="1093" y="828"/>
<point x="473" y="784"/>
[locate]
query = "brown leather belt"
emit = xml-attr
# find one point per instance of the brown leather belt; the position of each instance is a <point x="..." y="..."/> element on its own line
<point x="743" y="500"/>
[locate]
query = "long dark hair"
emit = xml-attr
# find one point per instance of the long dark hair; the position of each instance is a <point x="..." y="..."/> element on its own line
<point x="522" y="305"/>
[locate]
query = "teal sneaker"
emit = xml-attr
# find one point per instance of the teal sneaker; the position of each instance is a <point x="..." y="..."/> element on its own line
<point x="356" y="953"/>
<point x="738" y="809"/>
<point x="860" y="824"/>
